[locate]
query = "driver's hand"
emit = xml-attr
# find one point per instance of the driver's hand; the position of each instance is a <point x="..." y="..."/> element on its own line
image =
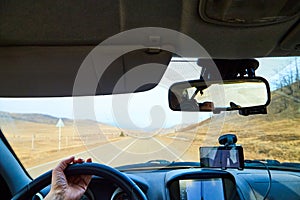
<point x="68" y="188"/>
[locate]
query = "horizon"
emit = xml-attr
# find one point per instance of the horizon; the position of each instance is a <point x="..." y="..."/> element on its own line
<point x="270" y="68"/>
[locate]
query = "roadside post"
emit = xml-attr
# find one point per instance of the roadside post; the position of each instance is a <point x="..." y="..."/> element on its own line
<point x="59" y="124"/>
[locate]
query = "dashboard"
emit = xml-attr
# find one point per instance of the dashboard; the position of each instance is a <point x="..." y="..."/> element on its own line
<point x="204" y="184"/>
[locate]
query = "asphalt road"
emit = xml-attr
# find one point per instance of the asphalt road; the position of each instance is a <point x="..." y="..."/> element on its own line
<point x="128" y="151"/>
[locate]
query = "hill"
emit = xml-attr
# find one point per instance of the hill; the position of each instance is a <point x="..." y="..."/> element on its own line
<point x="32" y="117"/>
<point x="272" y="136"/>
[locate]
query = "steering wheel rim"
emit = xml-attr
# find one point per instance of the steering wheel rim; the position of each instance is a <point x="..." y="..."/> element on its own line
<point x="96" y="169"/>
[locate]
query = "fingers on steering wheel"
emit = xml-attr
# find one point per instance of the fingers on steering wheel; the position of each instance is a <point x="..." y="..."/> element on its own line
<point x="81" y="160"/>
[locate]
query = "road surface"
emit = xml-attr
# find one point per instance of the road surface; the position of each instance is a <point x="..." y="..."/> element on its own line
<point x="129" y="151"/>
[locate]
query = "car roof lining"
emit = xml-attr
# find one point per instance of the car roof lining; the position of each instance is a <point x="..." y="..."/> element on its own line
<point x="85" y="23"/>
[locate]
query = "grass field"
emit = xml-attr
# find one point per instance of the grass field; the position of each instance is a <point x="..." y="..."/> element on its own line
<point x="37" y="143"/>
<point x="261" y="137"/>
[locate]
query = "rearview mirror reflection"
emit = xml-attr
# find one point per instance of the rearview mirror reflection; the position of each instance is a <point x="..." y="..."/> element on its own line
<point x="238" y="94"/>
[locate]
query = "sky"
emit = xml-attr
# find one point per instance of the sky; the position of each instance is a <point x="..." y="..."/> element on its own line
<point x="273" y="69"/>
<point x="146" y="110"/>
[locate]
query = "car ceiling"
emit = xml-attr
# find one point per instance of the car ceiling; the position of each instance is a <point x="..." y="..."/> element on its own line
<point x="51" y="38"/>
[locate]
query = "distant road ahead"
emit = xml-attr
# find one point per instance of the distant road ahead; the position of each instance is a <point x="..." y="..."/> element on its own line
<point x="128" y="151"/>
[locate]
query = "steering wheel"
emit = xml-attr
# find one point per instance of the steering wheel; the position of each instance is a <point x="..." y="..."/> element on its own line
<point x="124" y="182"/>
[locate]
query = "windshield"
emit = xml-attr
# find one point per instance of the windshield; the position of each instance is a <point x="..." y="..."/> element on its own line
<point x="134" y="128"/>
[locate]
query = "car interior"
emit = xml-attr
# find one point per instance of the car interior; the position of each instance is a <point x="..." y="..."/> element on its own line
<point x="198" y="75"/>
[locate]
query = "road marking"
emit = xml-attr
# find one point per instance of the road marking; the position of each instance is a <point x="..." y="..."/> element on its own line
<point x="169" y="150"/>
<point x="123" y="150"/>
<point x="178" y="138"/>
<point x="44" y="164"/>
<point x="58" y="160"/>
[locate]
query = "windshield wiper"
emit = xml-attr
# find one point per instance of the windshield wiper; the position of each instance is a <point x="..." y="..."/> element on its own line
<point x="165" y="164"/>
<point x="158" y="164"/>
<point x="272" y="164"/>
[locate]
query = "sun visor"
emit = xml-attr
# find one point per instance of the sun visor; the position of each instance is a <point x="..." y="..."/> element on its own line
<point x="136" y="71"/>
<point x="51" y="71"/>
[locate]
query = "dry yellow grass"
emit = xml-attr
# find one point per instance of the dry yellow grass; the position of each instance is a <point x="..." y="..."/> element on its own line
<point x="37" y="143"/>
<point x="261" y="137"/>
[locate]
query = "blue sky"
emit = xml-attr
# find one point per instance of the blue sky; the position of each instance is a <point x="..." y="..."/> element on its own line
<point x="144" y="109"/>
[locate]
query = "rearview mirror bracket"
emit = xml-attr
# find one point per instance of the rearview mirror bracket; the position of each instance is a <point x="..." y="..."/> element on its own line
<point x="253" y="111"/>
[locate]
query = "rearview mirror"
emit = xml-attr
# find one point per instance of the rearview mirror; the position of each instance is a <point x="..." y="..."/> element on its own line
<point x="249" y="95"/>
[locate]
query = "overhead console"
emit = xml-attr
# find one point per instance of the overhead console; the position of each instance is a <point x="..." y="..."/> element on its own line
<point x="248" y="12"/>
<point x="291" y="42"/>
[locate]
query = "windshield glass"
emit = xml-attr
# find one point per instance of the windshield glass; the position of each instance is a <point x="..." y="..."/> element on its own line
<point x="135" y="128"/>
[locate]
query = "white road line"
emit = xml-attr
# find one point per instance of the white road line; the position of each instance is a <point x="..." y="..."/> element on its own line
<point x="168" y="149"/>
<point x="58" y="160"/>
<point x="44" y="164"/>
<point x="123" y="150"/>
<point x="179" y="138"/>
